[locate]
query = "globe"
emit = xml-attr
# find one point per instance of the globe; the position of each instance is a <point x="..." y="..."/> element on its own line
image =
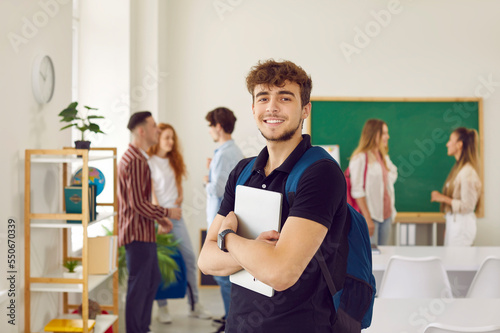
<point x="96" y="177"/>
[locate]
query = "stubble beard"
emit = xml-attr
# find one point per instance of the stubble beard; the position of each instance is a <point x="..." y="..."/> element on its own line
<point x="285" y="136"/>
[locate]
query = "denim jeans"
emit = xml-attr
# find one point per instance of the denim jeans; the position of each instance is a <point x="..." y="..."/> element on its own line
<point x="382" y="232"/>
<point x="180" y="232"/>
<point x="225" y="291"/>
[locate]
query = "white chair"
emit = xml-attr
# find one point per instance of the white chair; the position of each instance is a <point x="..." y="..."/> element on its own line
<point x="486" y="282"/>
<point x="407" y="277"/>
<point x="441" y="328"/>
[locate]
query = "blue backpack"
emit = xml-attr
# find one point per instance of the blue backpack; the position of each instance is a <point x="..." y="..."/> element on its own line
<point x="354" y="302"/>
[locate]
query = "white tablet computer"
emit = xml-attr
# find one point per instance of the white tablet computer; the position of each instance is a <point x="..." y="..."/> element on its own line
<point x="257" y="211"/>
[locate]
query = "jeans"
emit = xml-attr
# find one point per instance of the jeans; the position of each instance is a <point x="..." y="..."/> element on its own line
<point x="143" y="281"/>
<point x="225" y="291"/>
<point x="382" y="232"/>
<point x="180" y="232"/>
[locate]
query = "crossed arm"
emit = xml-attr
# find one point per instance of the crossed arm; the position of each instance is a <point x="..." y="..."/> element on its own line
<point x="277" y="259"/>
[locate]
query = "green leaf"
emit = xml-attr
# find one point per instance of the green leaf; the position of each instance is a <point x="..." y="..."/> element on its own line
<point x="68" y="113"/>
<point x="94" y="128"/>
<point x="90" y="108"/>
<point x="70" y="125"/>
<point x="168" y="266"/>
<point x="94" y="117"/>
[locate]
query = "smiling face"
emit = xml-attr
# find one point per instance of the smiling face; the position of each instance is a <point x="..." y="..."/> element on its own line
<point x="278" y="111"/>
<point x="166" y="141"/>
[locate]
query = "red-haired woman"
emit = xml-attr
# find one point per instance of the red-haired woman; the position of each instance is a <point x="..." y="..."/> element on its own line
<point x="167" y="170"/>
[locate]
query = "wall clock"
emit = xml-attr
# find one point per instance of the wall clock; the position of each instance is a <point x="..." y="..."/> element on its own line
<point x="43" y="79"/>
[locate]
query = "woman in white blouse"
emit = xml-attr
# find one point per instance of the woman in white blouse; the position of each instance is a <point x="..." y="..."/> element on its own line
<point x="167" y="170"/>
<point x="462" y="189"/>
<point x="372" y="180"/>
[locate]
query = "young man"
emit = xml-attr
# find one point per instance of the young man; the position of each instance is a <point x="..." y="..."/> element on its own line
<point x="316" y="218"/>
<point x="221" y="125"/>
<point x="136" y="216"/>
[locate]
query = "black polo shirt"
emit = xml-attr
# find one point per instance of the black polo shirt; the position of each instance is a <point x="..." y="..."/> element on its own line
<point x="321" y="197"/>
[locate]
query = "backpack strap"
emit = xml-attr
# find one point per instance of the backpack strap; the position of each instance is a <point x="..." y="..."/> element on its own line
<point x="311" y="156"/>
<point x="326" y="273"/>
<point x="246" y="172"/>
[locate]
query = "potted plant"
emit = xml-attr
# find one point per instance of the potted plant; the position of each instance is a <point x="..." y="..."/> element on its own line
<point x="70" y="265"/>
<point x="168" y="267"/>
<point x="82" y="121"/>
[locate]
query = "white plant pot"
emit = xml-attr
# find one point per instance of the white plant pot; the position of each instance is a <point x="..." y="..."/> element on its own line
<point x="68" y="275"/>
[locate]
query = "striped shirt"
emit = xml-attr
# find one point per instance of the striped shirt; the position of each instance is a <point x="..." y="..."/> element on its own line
<point x="136" y="213"/>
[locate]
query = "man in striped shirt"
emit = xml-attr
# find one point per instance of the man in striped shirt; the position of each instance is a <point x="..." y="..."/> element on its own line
<point x="136" y="216"/>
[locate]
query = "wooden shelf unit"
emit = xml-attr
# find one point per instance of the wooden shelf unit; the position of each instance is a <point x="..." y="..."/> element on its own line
<point x="83" y="285"/>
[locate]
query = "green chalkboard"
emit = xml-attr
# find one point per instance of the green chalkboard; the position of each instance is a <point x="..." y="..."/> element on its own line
<point x="418" y="129"/>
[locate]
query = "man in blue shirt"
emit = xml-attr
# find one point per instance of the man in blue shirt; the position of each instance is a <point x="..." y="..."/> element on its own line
<point x="221" y="125"/>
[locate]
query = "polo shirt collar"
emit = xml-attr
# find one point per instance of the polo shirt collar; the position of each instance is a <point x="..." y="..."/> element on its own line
<point x="290" y="161"/>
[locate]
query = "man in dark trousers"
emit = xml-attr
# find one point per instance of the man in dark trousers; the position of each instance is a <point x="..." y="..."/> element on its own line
<point x="316" y="218"/>
<point x="136" y="227"/>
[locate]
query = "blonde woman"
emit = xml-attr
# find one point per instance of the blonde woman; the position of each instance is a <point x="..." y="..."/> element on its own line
<point x="462" y="189"/>
<point x="372" y="180"/>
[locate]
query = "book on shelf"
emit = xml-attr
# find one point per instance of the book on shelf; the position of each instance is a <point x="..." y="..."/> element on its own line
<point x="102" y="254"/>
<point x="73" y="201"/>
<point x="68" y="325"/>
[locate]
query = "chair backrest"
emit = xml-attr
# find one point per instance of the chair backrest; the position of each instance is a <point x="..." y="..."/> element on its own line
<point x="486" y="282"/>
<point x="442" y="328"/>
<point x="407" y="277"/>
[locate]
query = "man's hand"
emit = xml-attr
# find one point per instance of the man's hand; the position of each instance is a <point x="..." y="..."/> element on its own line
<point x="165" y="225"/>
<point x="229" y="222"/>
<point x="209" y="160"/>
<point x="206" y="180"/>
<point x="175" y="213"/>
<point x="270" y="237"/>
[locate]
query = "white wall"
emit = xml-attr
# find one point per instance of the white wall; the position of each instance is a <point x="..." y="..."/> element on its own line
<point x="424" y="49"/>
<point x="204" y="51"/>
<point x="30" y="28"/>
<point x="104" y="68"/>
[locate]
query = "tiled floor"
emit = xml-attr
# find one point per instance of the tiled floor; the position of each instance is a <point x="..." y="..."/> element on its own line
<point x="210" y="298"/>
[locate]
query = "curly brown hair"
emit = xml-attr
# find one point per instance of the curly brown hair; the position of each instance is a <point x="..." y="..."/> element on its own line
<point x="222" y="116"/>
<point x="174" y="156"/>
<point x="273" y="73"/>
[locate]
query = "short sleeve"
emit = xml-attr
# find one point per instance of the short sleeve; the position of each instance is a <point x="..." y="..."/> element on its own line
<point x="320" y="193"/>
<point x="357" y="167"/>
<point x="227" y="204"/>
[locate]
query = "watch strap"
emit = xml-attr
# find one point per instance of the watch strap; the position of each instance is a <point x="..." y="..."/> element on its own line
<point x="223" y="237"/>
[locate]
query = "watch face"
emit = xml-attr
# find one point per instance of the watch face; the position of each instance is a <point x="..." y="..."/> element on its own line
<point x="219" y="241"/>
